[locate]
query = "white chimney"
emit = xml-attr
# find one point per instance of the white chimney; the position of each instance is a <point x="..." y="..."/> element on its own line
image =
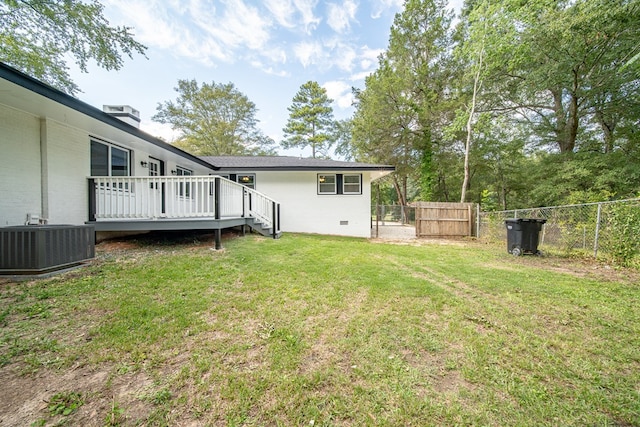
<point x="126" y="113"/>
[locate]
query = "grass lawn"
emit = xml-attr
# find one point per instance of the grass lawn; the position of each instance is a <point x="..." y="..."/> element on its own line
<point x="322" y="331"/>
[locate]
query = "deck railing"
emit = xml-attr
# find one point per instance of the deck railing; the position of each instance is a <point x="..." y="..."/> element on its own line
<point x="178" y="197"/>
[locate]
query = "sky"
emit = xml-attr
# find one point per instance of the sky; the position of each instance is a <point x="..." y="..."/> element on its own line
<point x="266" y="48"/>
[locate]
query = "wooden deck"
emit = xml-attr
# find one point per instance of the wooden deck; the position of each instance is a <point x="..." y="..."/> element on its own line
<point x="129" y="204"/>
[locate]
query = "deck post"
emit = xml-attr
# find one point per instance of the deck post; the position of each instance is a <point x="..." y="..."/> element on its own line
<point x="218" y="238"/>
<point x="92" y="199"/>
<point x="274" y="220"/>
<point x="244" y="207"/>
<point x="217" y="232"/>
<point x="217" y="198"/>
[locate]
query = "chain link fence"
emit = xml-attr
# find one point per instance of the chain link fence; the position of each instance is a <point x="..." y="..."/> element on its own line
<point x="390" y="215"/>
<point x="611" y="228"/>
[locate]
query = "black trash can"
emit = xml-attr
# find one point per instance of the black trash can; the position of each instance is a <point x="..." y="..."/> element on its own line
<point x="523" y="235"/>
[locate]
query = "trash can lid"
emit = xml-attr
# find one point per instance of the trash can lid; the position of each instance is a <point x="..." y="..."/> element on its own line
<point x="518" y="220"/>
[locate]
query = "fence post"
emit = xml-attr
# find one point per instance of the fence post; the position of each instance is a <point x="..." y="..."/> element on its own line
<point x="595" y="241"/>
<point x="478" y="221"/>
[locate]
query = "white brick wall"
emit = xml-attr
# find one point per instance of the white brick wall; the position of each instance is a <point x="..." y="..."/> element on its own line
<point x="19" y="166"/>
<point x="68" y="161"/>
<point x="304" y="210"/>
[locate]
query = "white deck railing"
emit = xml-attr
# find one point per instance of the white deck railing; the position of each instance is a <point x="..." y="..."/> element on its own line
<point x="177" y="197"/>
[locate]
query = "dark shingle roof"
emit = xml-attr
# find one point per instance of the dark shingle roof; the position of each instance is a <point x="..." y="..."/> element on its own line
<point x="286" y="163"/>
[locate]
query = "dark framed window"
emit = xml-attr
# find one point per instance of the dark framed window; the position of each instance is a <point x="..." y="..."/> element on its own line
<point x="109" y="160"/>
<point x="327" y="184"/>
<point x="352" y="184"/>
<point x="247" y="179"/>
<point x="337" y="183"/>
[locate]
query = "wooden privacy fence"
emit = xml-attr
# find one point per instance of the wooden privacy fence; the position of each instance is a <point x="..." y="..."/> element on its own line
<point x="439" y="219"/>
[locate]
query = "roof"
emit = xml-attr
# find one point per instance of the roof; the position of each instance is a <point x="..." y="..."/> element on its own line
<point x="289" y="163"/>
<point x="56" y="98"/>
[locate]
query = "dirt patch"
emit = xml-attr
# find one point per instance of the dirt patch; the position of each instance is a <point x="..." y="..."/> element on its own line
<point x="26" y="399"/>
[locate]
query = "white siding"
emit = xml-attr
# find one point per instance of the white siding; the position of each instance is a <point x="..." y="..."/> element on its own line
<point x="303" y="210"/>
<point x="44" y="165"/>
<point x="68" y="165"/>
<point x="19" y="166"/>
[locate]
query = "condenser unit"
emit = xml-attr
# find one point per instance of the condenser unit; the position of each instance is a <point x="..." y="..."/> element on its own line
<point x="39" y="249"/>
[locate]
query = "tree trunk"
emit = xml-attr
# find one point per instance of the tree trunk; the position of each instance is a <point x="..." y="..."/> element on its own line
<point x="472" y="110"/>
<point x="567" y="122"/>
<point x="607" y="130"/>
<point x="401" y="197"/>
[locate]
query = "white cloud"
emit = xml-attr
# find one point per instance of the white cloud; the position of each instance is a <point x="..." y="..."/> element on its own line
<point x="305" y="8"/>
<point x="340" y="92"/>
<point x="196" y="29"/>
<point x="308" y="53"/>
<point x="344" y="57"/>
<point x="282" y="11"/>
<point x="239" y="25"/>
<point x="268" y="69"/>
<point x="359" y="76"/>
<point x="369" y="57"/>
<point x="378" y="7"/>
<point x="340" y="15"/>
<point x="237" y="31"/>
<point x="160" y="130"/>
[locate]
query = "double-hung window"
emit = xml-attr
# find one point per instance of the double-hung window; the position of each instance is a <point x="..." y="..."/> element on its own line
<point x="184" y="188"/>
<point x="337" y="183"/>
<point x="327" y="184"/>
<point x="352" y="184"/>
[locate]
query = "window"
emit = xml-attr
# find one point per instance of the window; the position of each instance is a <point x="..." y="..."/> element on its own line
<point x="339" y="183"/>
<point x="327" y="184"/>
<point x="351" y="184"/>
<point x="180" y="171"/>
<point x="184" y="188"/>
<point x="248" y="180"/>
<point x="109" y="160"/>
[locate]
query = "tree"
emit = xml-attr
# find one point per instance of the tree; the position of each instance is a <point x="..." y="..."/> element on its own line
<point x="36" y="35"/>
<point x="310" y="120"/>
<point x="400" y="114"/>
<point x="565" y="66"/>
<point x="215" y="119"/>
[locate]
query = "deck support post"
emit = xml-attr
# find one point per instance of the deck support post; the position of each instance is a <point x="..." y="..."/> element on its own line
<point x="217" y="231"/>
<point x="218" y="238"/>
<point x="92" y="199"/>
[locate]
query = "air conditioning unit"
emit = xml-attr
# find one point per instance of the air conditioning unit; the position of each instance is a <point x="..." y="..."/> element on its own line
<point x="41" y="249"/>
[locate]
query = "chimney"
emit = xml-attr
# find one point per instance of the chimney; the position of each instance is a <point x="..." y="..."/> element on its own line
<point x="125" y="113"/>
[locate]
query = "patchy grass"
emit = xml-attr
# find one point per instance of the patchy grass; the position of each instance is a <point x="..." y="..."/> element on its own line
<point x="312" y="330"/>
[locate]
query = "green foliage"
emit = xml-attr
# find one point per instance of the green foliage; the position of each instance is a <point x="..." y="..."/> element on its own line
<point x="215" y="119"/>
<point x="311" y="122"/>
<point x="38" y="36"/>
<point x="623" y="228"/>
<point x="399" y="114"/>
<point x="556" y="101"/>
<point x="115" y="416"/>
<point x="65" y="403"/>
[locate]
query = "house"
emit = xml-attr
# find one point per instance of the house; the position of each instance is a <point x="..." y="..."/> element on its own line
<point x="63" y="161"/>
<point x="317" y="195"/>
